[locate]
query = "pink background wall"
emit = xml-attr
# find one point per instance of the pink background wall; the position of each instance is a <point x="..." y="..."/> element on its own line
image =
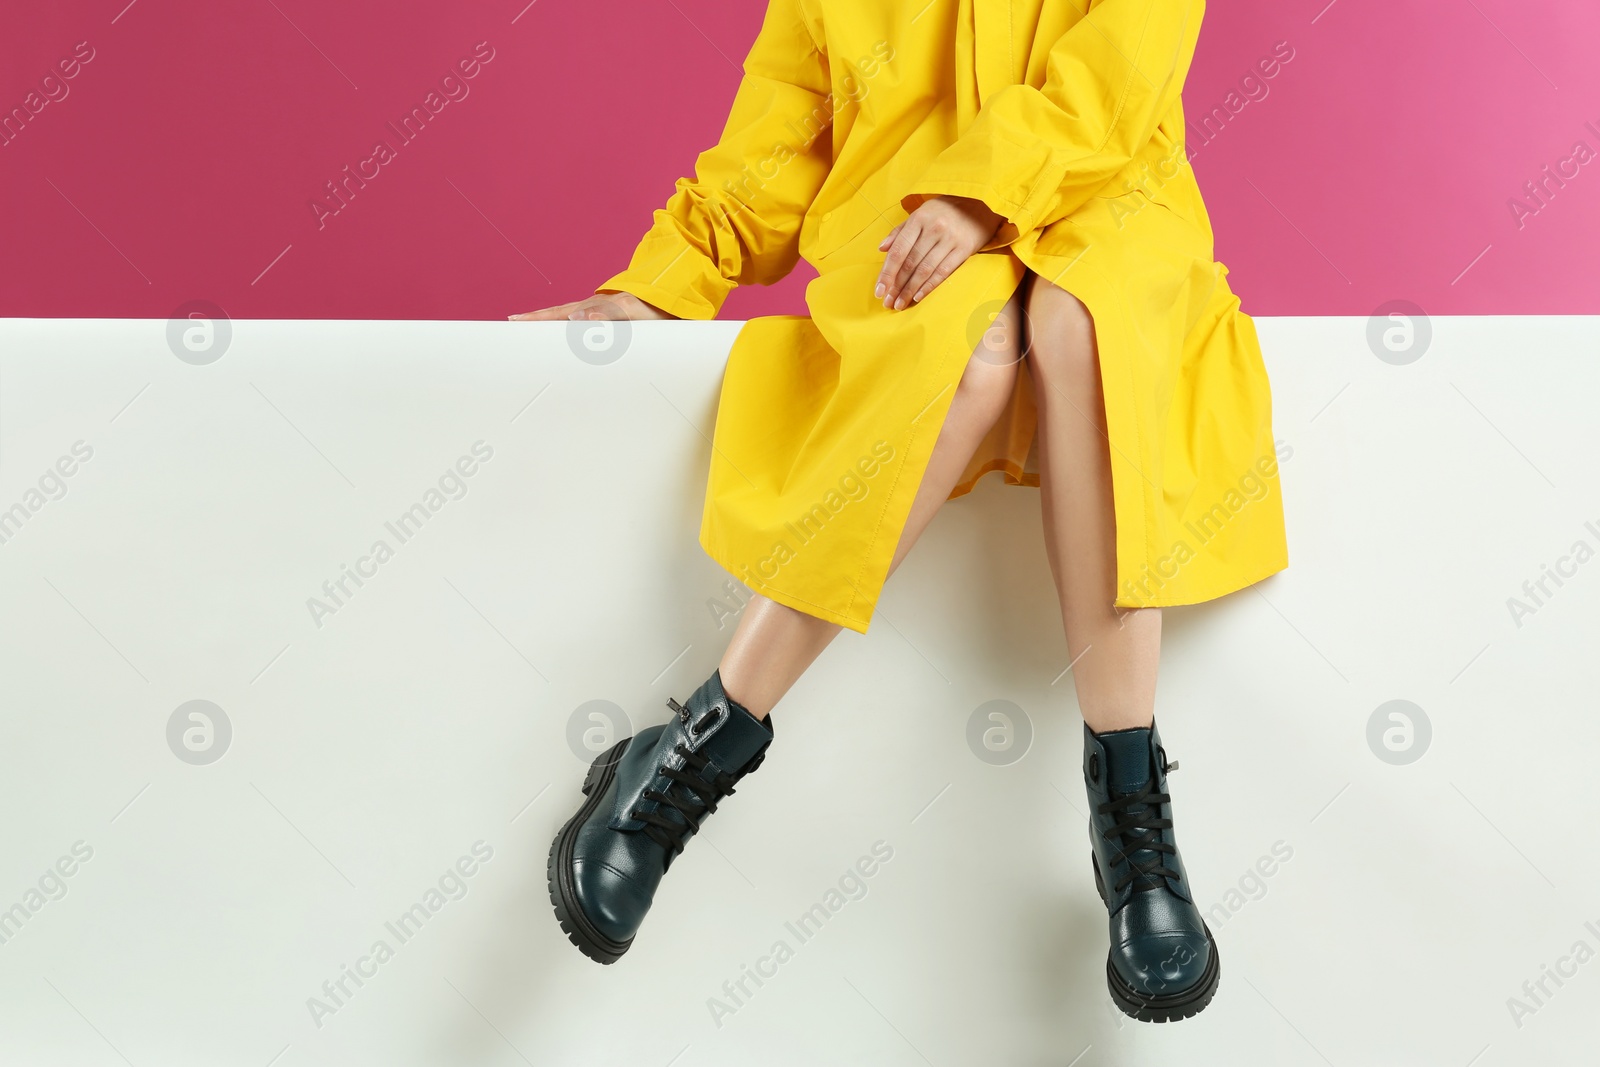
<point x="181" y="161"/>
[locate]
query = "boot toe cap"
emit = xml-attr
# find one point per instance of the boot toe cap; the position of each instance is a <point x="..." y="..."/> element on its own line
<point x="1162" y="964"/>
<point x="614" y="902"/>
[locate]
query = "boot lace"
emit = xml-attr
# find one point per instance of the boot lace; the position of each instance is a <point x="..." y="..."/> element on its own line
<point x="689" y="794"/>
<point x="1136" y="835"/>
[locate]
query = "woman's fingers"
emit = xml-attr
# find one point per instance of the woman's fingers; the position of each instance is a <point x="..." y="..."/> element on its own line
<point x="904" y="240"/>
<point x="894" y="288"/>
<point x="560" y="311"/>
<point x="946" y="267"/>
<point x="918" y="283"/>
<point x="929" y="250"/>
<point x="930" y="245"/>
<point x="602" y="307"/>
<point x="916" y="249"/>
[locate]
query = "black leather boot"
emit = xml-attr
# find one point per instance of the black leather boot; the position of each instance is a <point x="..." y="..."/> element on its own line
<point x="1163" y="963"/>
<point x="646" y="797"/>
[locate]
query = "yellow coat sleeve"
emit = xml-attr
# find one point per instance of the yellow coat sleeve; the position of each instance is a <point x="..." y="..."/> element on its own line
<point x="737" y="221"/>
<point x="1036" y="155"/>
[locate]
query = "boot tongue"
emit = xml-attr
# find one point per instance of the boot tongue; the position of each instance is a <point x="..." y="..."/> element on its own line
<point x="1128" y="770"/>
<point x="1127" y="759"/>
<point x="715" y="728"/>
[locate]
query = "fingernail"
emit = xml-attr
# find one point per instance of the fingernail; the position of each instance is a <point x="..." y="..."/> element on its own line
<point x="878" y="292"/>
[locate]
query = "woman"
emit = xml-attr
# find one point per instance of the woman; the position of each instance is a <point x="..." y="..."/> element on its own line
<point x="981" y="184"/>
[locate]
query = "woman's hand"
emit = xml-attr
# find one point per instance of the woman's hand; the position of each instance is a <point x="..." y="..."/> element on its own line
<point x="597" y="308"/>
<point x="929" y="245"/>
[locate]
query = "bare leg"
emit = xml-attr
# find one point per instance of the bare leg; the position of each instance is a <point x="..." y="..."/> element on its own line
<point x="774" y="644"/>
<point x="1115" y="653"/>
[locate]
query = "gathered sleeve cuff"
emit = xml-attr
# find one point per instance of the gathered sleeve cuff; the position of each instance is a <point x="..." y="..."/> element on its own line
<point x="737" y="220"/>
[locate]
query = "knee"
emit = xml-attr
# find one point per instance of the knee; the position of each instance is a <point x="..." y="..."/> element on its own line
<point x="991" y="371"/>
<point x="1061" y="342"/>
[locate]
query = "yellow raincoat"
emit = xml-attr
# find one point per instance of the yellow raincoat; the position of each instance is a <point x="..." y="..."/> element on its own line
<point x="1069" y="125"/>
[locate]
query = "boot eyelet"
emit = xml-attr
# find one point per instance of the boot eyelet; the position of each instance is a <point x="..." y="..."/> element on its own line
<point x="1094" y="767"/>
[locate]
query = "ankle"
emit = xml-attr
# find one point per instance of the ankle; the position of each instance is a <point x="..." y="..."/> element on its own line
<point x="737" y="695"/>
<point x="1109" y="720"/>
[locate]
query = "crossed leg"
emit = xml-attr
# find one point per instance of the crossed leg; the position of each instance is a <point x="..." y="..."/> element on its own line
<point x="773" y="644"/>
<point x="1114" y="653"/>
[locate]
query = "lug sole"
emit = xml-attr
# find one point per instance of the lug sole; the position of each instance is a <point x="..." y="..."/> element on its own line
<point x="563" y="893"/>
<point x="1162" y="1008"/>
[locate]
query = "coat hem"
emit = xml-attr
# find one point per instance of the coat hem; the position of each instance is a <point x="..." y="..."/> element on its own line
<point x="788" y="600"/>
<point x="1208" y="592"/>
<point x="1014" y="475"/>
